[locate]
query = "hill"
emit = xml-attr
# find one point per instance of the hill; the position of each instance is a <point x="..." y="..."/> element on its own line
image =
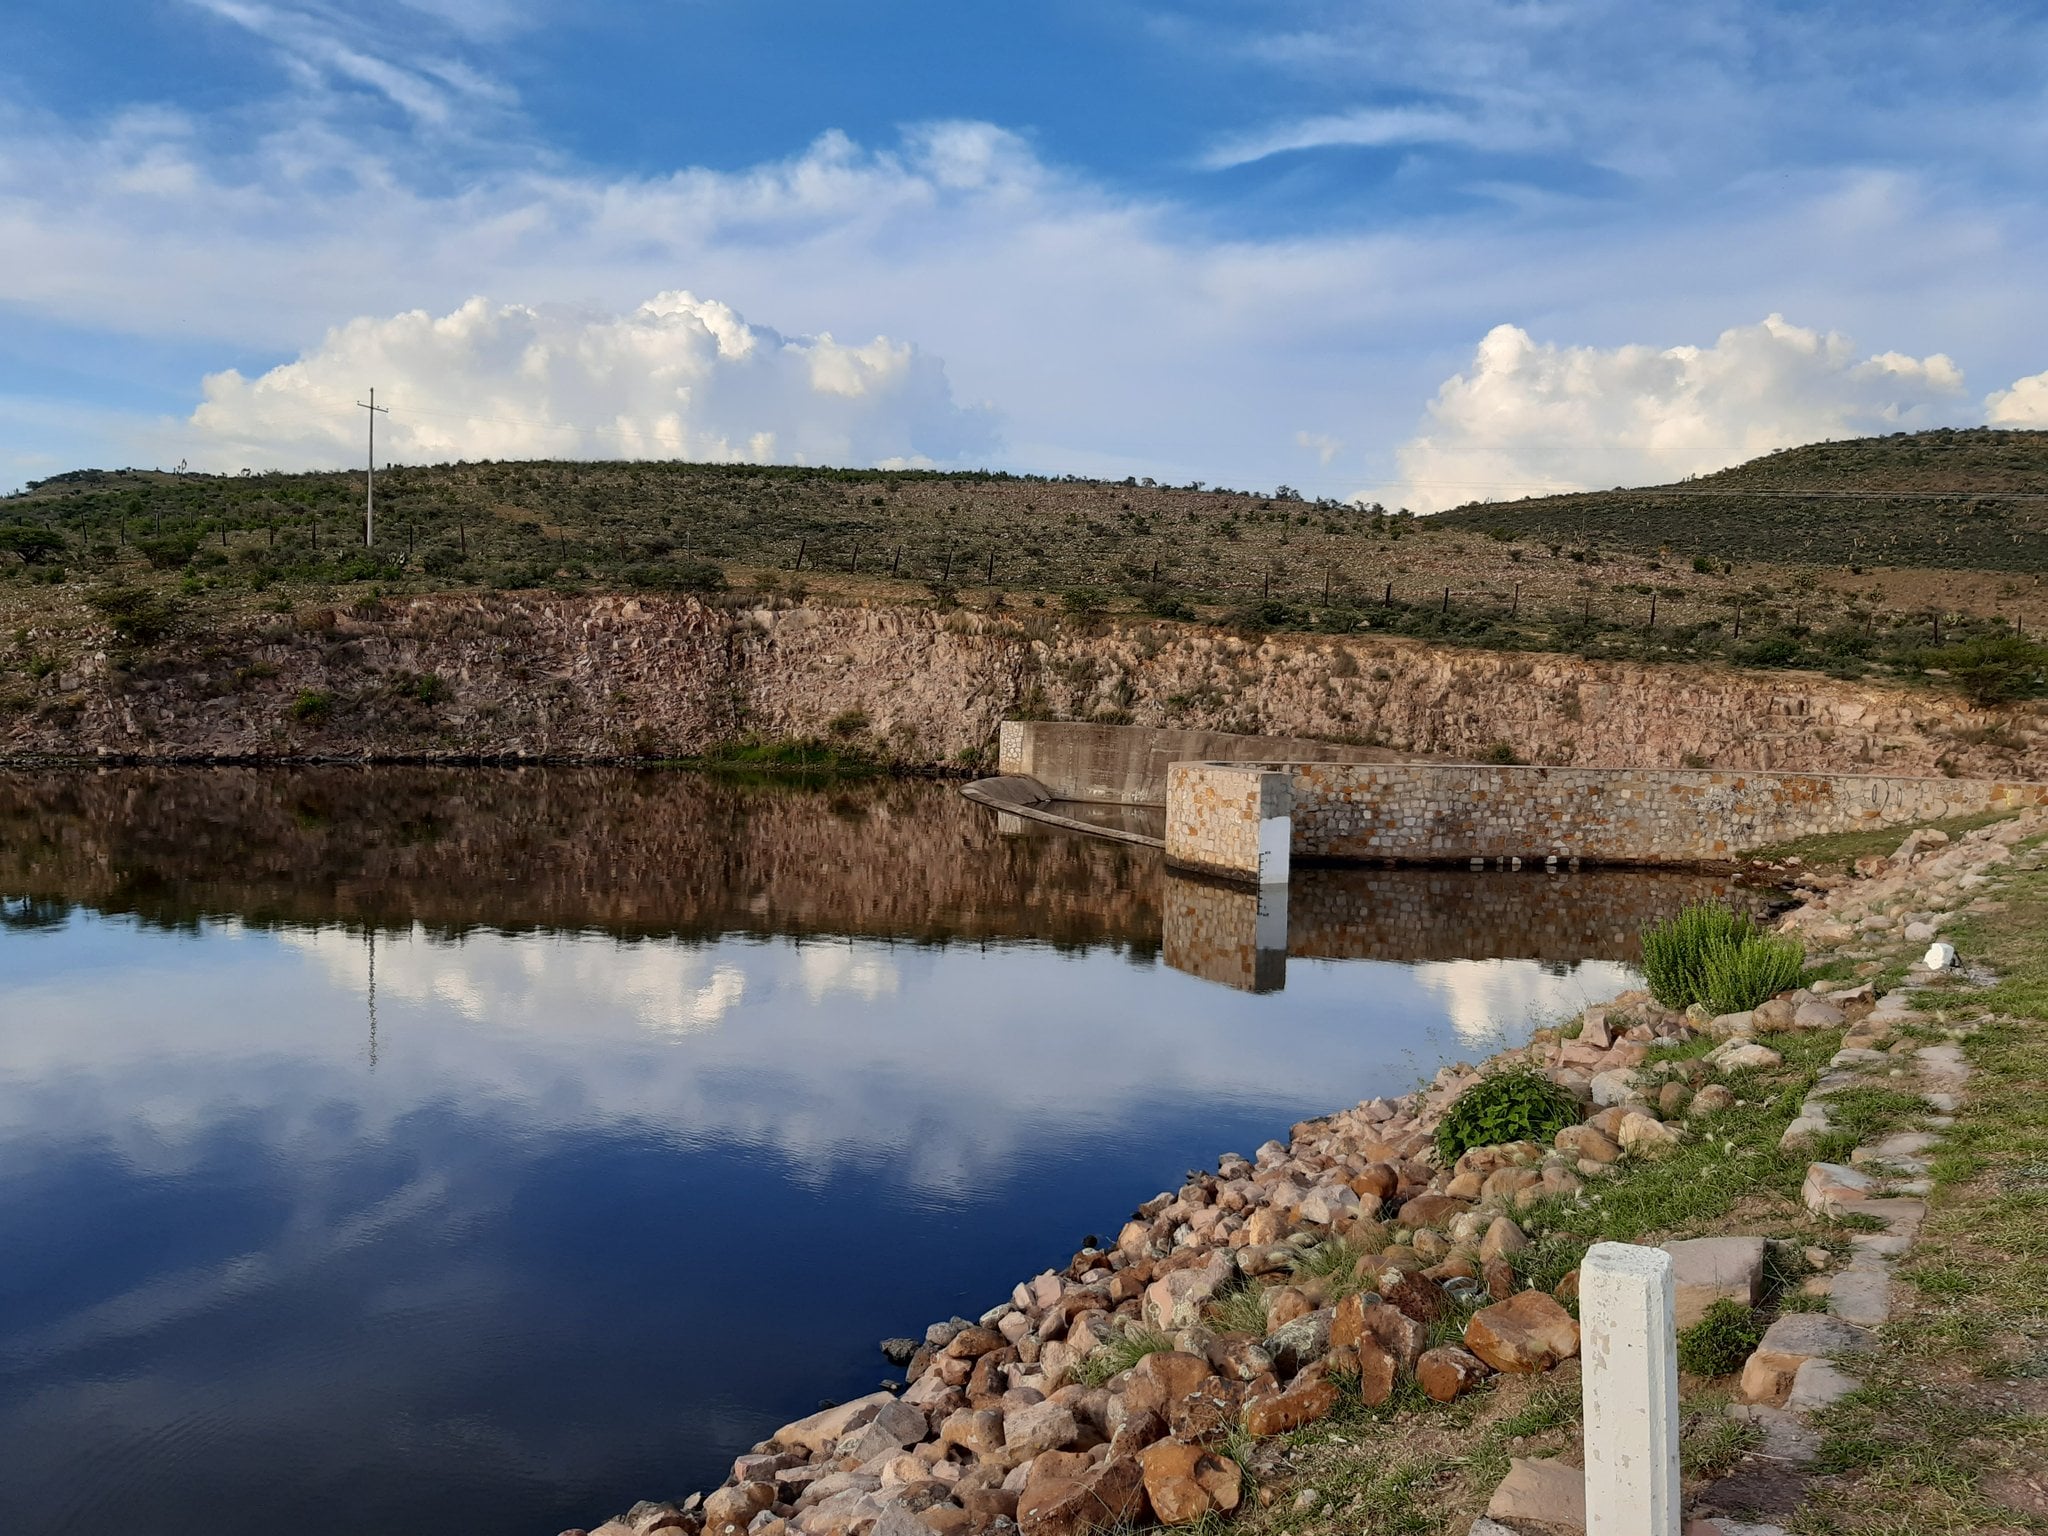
<point x="1946" y="500"/>
<point x="1856" y="558"/>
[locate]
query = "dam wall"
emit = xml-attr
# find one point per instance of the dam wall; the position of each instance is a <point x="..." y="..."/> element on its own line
<point x="1126" y="764"/>
<point x="1220" y="817"/>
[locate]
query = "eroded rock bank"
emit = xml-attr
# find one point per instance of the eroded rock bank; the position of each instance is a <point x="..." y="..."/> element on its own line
<point x="518" y="674"/>
<point x="1134" y="1383"/>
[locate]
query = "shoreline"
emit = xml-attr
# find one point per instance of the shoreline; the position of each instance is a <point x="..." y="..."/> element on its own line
<point x="1339" y="1268"/>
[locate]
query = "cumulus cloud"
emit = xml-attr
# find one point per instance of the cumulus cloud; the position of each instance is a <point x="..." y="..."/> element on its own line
<point x="2024" y="404"/>
<point x="677" y="377"/>
<point x="1526" y="417"/>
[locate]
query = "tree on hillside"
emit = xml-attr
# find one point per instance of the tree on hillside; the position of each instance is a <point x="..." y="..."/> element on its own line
<point x="36" y="546"/>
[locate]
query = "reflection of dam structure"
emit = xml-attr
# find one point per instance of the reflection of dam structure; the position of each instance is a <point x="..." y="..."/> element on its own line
<point x="635" y="854"/>
<point x="1242" y="936"/>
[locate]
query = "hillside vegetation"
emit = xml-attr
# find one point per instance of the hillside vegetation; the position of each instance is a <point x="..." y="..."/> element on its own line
<point x="1859" y="581"/>
<point x="1950" y="500"/>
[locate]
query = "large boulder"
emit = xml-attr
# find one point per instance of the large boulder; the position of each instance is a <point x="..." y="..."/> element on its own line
<point x="1071" y="1501"/>
<point x="1304" y="1339"/>
<point x="1278" y="1412"/>
<point x="1705" y="1270"/>
<point x="1177" y="1300"/>
<point x="1360" y="1317"/>
<point x="1524" y="1334"/>
<point x="1036" y="1428"/>
<point x="1185" y="1482"/>
<point x="825" y="1428"/>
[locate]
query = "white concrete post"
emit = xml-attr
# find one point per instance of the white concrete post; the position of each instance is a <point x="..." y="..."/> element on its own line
<point x="1276" y="828"/>
<point x="1629" y="1345"/>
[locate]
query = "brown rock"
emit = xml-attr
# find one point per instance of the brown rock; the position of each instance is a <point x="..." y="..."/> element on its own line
<point x="1099" y="1499"/>
<point x="1527" y="1333"/>
<point x="1378" y="1182"/>
<point x="1377" y="1370"/>
<point x="1499" y="1276"/>
<point x="1206" y="1413"/>
<point x="1136" y="1431"/>
<point x="1502" y="1238"/>
<point x="1164" y="1374"/>
<point x="1432" y="1211"/>
<point x="1284" y="1304"/>
<point x="1394" y="1331"/>
<point x="1281" y="1411"/>
<point x="1547" y="1493"/>
<point x="1039" y="1427"/>
<point x="1672" y="1099"/>
<point x="730" y="1510"/>
<point x="1238" y="1357"/>
<point x="1186" y="1482"/>
<point x="940" y="1520"/>
<point x="977" y="1431"/>
<point x="823" y="1429"/>
<point x="973" y="1343"/>
<point x="1446" y="1373"/>
<point x="1588" y="1143"/>
<point x="1415" y="1295"/>
<point x="985" y="1506"/>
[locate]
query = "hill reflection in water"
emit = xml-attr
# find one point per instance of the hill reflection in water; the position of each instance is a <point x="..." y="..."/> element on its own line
<point x="477" y="1151"/>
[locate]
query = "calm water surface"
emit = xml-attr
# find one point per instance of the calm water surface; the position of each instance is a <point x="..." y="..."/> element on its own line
<point x="470" y="1152"/>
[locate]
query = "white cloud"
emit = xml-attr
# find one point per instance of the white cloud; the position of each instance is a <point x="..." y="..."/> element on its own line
<point x="2024" y="404"/>
<point x="1525" y="418"/>
<point x="1321" y="444"/>
<point x="678" y="377"/>
<point x="1117" y="334"/>
<point x="1385" y="127"/>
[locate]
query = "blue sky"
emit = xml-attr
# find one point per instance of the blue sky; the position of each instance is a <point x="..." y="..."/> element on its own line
<point x="1423" y="253"/>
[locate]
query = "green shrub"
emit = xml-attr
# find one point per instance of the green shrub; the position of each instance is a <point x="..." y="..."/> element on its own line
<point x="1753" y="972"/>
<point x="312" y="706"/>
<point x="169" y="551"/>
<point x="1500" y="752"/>
<point x="35" y="546"/>
<point x="1996" y="669"/>
<point x="1515" y="1104"/>
<point x="1715" y="957"/>
<point x="1675" y="951"/>
<point x="139" y="616"/>
<point x="1720" y="1341"/>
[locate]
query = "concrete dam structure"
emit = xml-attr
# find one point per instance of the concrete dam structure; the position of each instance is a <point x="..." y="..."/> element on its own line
<point x="1238" y="813"/>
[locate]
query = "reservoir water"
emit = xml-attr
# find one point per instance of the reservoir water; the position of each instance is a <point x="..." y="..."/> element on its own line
<point x="475" y="1152"/>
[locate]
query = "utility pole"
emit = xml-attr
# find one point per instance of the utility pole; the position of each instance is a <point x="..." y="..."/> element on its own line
<point x="370" y="483"/>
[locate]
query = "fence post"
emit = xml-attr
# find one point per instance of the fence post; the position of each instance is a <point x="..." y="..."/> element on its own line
<point x="1629" y="1346"/>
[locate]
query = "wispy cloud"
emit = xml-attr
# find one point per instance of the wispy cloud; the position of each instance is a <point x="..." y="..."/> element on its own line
<point x="325" y="50"/>
<point x="1385" y="127"/>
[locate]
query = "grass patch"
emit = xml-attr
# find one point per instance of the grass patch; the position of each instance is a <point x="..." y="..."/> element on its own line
<point x="787" y="754"/>
<point x="1720" y="1341"/>
<point x="1240" y="1309"/>
<point x="1841" y="849"/>
<point x="1334" y="1260"/>
<point x="1121" y="1353"/>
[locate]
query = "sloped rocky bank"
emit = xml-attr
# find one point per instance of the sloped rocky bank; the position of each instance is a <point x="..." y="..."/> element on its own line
<point x="530" y="676"/>
<point x="1350" y="1263"/>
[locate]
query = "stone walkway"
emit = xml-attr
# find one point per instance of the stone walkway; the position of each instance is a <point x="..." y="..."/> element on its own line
<point x="1807" y="1359"/>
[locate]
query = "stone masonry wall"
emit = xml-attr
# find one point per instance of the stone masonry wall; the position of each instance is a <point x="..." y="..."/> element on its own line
<point x="1459" y="812"/>
<point x="1214" y="812"/>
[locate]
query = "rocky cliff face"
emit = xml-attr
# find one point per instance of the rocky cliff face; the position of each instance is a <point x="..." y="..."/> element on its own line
<point x="599" y="677"/>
